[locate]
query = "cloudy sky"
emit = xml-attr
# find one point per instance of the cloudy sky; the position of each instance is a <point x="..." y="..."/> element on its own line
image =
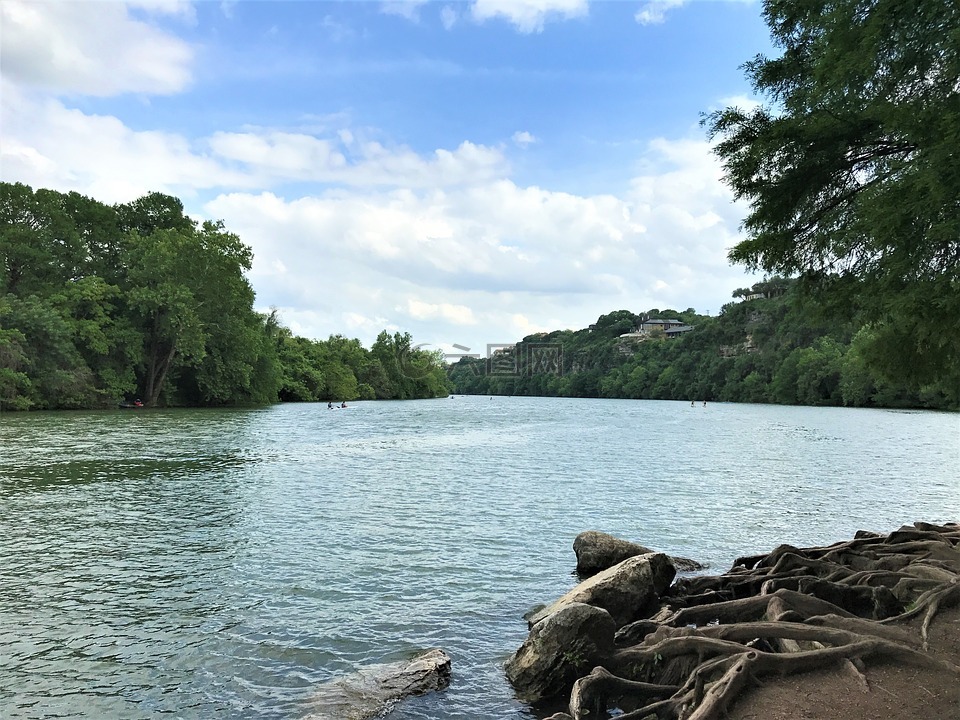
<point x="470" y="172"/>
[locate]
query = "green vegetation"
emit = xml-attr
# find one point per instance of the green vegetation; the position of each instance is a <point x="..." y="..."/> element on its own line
<point x="781" y="347"/>
<point x="850" y="172"/>
<point x="104" y="303"/>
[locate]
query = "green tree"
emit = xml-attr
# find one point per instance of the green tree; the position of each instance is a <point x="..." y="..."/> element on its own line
<point x="15" y="385"/>
<point x="40" y="248"/>
<point x="850" y="168"/>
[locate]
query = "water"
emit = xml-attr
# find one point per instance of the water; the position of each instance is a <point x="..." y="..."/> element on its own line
<point x="221" y="564"/>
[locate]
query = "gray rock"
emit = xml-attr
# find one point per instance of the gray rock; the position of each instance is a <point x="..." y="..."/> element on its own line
<point x="683" y="564"/>
<point x="558" y="650"/>
<point x="597" y="551"/>
<point x="627" y="591"/>
<point x="373" y="691"/>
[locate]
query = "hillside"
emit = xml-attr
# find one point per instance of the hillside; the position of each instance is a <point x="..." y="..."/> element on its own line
<point x="772" y="345"/>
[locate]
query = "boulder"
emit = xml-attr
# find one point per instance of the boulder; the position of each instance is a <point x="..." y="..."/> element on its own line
<point x="559" y="649"/>
<point x="596" y="551"/>
<point x="372" y="691"/>
<point x="683" y="564"/>
<point x="628" y="591"/>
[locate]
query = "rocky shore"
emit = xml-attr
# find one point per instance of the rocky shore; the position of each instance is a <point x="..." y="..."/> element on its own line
<point x="634" y="642"/>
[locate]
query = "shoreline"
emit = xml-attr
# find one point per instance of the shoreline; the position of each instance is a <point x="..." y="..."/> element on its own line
<point x="632" y="641"/>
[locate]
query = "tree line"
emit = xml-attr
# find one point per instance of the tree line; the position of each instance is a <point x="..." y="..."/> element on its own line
<point x="105" y="303"/>
<point x="780" y="346"/>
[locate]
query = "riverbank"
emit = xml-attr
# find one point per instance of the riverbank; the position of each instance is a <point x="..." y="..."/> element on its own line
<point x="889" y="690"/>
<point x="793" y="633"/>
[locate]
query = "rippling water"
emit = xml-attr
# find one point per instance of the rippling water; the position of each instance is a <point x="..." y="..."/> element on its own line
<point x="222" y="563"/>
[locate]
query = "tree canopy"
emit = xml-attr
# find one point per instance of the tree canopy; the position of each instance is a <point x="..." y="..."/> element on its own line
<point x="778" y="346"/>
<point x="102" y="303"/>
<point x="851" y="169"/>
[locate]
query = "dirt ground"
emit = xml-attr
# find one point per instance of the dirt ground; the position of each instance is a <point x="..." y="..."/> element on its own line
<point x="896" y="691"/>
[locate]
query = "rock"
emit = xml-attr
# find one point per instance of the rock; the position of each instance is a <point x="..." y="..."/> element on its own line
<point x="627" y="591"/>
<point x="683" y="564"/>
<point x="559" y="649"/>
<point x="597" y="551"/>
<point x="372" y="691"/>
<point x="559" y="716"/>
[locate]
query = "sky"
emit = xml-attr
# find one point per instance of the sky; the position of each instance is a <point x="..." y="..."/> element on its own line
<point x="468" y="172"/>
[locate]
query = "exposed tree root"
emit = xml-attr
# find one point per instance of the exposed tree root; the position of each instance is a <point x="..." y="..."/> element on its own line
<point x="790" y="611"/>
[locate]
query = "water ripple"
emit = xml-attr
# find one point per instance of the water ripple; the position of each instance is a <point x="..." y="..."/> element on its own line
<point x="223" y="563"/>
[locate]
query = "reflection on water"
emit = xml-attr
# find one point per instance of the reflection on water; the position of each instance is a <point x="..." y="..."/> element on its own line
<point x="223" y="563"/>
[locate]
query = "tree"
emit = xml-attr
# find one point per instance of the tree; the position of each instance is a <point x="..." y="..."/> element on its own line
<point x="850" y="169"/>
<point x="39" y="245"/>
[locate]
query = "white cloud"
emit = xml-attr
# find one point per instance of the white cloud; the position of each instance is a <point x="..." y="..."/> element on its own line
<point x="94" y="48"/>
<point x="444" y="244"/>
<point x="455" y="314"/>
<point x="293" y="156"/>
<point x="655" y="11"/>
<point x="49" y="145"/>
<point x="747" y="104"/>
<point x="409" y="9"/>
<point x="528" y="16"/>
<point x="448" y="16"/>
<point x="286" y="155"/>
<point x="523" y="138"/>
<point x="494" y="261"/>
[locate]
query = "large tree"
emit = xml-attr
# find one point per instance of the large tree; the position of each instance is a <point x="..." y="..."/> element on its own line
<point x="852" y="168"/>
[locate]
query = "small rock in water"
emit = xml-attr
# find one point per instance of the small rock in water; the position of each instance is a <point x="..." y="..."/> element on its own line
<point x="370" y="692"/>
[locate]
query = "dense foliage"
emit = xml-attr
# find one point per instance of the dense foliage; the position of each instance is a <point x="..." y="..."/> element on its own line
<point x="852" y="174"/>
<point x="100" y="304"/>
<point x="775" y="346"/>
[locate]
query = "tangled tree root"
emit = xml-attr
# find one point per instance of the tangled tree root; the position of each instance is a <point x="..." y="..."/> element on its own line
<point x="790" y="611"/>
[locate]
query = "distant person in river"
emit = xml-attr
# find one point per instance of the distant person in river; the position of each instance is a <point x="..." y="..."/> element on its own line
<point x="329" y="405"/>
<point x="138" y="403"/>
<point x="343" y="404"/>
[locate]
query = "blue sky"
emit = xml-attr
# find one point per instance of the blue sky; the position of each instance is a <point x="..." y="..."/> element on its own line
<point x="469" y="172"/>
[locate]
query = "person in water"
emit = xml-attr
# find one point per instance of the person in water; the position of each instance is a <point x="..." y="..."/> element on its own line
<point x="343" y="404"/>
<point x="329" y="405"/>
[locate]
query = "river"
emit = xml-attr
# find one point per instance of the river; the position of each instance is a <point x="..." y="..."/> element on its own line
<point x="222" y="563"/>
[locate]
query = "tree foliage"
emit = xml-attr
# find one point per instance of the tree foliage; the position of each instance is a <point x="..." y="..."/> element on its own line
<point x="851" y="172"/>
<point x="104" y="303"/>
<point x="779" y="347"/>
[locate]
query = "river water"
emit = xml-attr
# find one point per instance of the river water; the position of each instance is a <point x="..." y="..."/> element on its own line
<point x="220" y="564"/>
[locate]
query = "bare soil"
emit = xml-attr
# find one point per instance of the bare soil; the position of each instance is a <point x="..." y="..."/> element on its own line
<point x="896" y="691"/>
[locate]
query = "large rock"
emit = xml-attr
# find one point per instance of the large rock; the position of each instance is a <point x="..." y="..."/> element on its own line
<point x="628" y="591"/>
<point x="560" y="649"/>
<point x="596" y="551"/>
<point x="372" y="691"/>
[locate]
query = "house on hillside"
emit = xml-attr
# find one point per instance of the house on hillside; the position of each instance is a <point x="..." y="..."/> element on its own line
<point x="663" y="323"/>
<point x="670" y="327"/>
